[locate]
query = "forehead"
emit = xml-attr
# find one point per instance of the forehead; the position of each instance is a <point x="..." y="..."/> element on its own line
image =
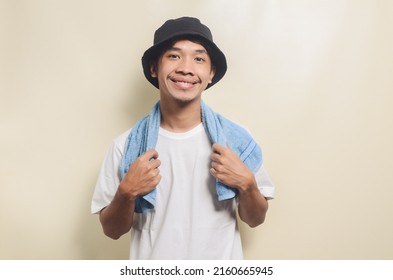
<point x="188" y="45"/>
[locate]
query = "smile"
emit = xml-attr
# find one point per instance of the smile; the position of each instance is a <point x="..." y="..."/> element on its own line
<point x="184" y="83"/>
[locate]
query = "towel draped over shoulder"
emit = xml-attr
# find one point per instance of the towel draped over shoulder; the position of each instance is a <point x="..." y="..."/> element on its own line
<point x="219" y="129"/>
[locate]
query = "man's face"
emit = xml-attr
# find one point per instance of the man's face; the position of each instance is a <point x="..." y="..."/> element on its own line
<point x="183" y="71"/>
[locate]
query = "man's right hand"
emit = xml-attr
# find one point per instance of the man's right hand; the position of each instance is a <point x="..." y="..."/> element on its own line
<point x="142" y="177"/>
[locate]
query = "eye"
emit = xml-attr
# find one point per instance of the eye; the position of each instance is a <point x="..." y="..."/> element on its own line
<point x="199" y="59"/>
<point x="173" y="56"/>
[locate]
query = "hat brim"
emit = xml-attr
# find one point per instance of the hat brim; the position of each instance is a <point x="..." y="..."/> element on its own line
<point x="216" y="55"/>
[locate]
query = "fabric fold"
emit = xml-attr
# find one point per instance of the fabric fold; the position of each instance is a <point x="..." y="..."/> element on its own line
<point x="144" y="135"/>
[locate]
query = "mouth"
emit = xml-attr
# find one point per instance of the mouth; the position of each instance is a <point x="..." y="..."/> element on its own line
<point x="184" y="83"/>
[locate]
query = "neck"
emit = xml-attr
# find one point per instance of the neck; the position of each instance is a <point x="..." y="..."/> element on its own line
<point x="180" y="117"/>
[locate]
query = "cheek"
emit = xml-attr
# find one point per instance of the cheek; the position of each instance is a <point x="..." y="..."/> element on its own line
<point x="209" y="73"/>
<point x="165" y="69"/>
<point x="209" y="76"/>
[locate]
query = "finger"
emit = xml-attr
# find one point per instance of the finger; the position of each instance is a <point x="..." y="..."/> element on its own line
<point x="154" y="173"/>
<point x="217" y="148"/>
<point x="155" y="163"/>
<point x="213" y="172"/>
<point x="215" y="157"/>
<point x="150" y="154"/>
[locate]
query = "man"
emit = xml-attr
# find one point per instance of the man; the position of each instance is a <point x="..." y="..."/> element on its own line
<point x="177" y="178"/>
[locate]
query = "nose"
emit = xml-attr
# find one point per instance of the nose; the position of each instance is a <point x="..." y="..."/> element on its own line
<point x="185" y="67"/>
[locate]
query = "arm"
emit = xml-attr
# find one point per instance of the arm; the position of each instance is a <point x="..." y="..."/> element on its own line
<point x="229" y="169"/>
<point x="143" y="176"/>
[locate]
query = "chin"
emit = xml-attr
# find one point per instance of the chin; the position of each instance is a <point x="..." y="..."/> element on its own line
<point x="185" y="101"/>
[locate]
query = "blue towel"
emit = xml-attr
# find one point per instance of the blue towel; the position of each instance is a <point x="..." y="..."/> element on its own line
<point x="144" y="135"/>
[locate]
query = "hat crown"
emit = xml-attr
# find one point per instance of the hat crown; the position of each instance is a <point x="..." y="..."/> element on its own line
<point x="181" y="26"/>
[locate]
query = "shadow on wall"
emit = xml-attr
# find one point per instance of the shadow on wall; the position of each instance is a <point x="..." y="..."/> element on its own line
<point x="89" y="238"/>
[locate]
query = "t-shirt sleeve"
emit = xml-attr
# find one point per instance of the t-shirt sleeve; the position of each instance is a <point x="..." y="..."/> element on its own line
<point x="109" y="176"/>
<point x="264" y="183"/>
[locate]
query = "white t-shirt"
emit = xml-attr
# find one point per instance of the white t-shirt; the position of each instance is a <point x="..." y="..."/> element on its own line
<point x="188" y="221"/>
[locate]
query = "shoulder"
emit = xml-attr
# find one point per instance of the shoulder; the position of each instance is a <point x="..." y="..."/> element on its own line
<point x="236" y="134"/>
<point x="120" y="141"/>
<point x="230" y="125"/>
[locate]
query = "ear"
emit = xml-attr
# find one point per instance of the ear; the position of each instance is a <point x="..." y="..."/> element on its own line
<point x="153" y="70"/>
<point x="212" y="73"/>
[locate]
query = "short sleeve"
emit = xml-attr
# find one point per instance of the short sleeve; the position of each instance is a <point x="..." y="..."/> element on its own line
<point x="109" y="176"/>
<point x="264" y="183"/>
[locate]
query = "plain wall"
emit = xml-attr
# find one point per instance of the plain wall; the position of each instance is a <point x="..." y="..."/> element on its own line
<point x="311" y="79"/>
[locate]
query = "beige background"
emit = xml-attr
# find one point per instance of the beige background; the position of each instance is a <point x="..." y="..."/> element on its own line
<point x="311" y="79"/>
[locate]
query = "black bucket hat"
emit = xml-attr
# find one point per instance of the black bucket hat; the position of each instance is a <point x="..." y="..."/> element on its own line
<point x="184" y="28"/>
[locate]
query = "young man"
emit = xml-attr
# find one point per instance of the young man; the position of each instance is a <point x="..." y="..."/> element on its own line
<point x="177" y="178"/>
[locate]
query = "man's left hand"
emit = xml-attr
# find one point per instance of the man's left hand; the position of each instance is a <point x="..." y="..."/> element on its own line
<point x="227" y="167"/>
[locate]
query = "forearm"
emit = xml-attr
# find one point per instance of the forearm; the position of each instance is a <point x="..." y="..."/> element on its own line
<point x="227" y="167"/>
<point x="252" y="205"/>
<point x="117" y="218"/>
<point x="141" y="178"/>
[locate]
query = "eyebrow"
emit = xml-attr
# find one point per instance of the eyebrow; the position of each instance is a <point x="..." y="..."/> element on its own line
<point x="199" y="51"/>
